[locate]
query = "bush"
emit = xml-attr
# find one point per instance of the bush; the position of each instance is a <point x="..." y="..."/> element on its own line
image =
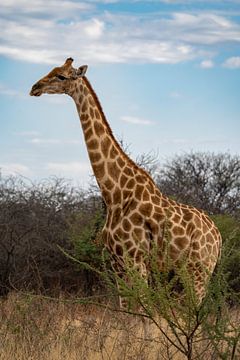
<point x="205" y="180"/>
<point x="35" y="222"/>
<point x="230" y="230"/>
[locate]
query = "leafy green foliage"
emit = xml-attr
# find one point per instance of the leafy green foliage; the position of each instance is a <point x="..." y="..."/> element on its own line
<point x="87" y="240"/>
<point x="230" y="230"/>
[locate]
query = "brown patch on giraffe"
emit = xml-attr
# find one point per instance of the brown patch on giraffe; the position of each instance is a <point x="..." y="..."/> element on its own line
<point x="178" y="231"/>
<point x="126" y="194"/>
<point x="197" y="235"/>
<point x="144" y="245"/>
<point x="107" y="196"/>
<point x="105" y="146"/>
<point x="119" y="250"/>
<point x="99" y="170"/>
<point x="93" y="144"/>
<point x="145" y="195"/>
<point x="123" y="180"/>
<point x="205" y="228"/>
<point x="176" y="218"/>
<point x="136" y="219"/>
<point x="153" y="227"/>
<point x="155" y="199"/>
<point x="138" y="192"/>
<point x="132" y="252"/>
<point x="203" y="252"/>
<point x="115" y="218"/>
<point x="85" y="106"/>
<point x="80" y="99"/>
<point x="91" y="111"/>
<point x="197" y="222"/>
<point x="113" y="171"/>
<point x="121" y="235"/>
<point x="159" y="217"/>
<point x="97" y="114"/>
<point x="86" y="125"/>
<point x="81" y="87"/>
<point x="91" y="101"/>
<point x="126" y="225"/>
<point x="94" y="156"/>
<point x="109" y="184"/>
<point x="190" y="228"/>
<point x="195" y="255"/>
<point x="128" y="244"/>
<point x="195" y="245"/>
<point x="88" y="134"/>
<point x="86" y="92"/>
<point x="150" y="187"/>
<point x="138" y="256"/>
<point x="120" y="162"/>
<point x="209" y="238"/>
<point x="209" y="248"/>
<point x="128" y="171"/>
<point x="141" y="179"/>
<point x="164" y="203"/>
<point x="99" y="129"/>
<point x="117" y="196"/>
<point x="215" y="250"/>
<point x="187" y="215"/>
<point x="111" y="243"/>
<point x="146" y="209"/>
<point x="130" y="184"/>
<point x="113" y="152"/>
<point x="203" y="241"/>
<point x="181" y="242"/>
<point x="137" y="233"/>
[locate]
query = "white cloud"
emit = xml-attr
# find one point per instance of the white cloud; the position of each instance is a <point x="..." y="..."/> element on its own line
<point x="38" y="33"/>
<point x="28" y="133"/>
<point x="40" y="6"/>
<point x="6" y="91"/>
<point x="207" y="64"/>
<point x="42" y="141"/>
<point x="69" y="169"/>
<point x="232" y="63"/>
<point x="136" y="120"/>
<point x="94" y="29"/>
<point x="14" y="169"/>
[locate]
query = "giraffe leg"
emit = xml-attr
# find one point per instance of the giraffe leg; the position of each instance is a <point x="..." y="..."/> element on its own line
<point x="200" y="278"/>
<point x="126" y="278"/>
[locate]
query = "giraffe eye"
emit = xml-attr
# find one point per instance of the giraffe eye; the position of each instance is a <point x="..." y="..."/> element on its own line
<point x="61" y="77"/>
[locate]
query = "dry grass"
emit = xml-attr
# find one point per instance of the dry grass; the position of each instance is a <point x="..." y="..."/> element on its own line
<point x="34" y="328"/>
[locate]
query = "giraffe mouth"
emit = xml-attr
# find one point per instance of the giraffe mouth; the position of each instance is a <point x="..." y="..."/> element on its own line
<point x="35" y="91"/>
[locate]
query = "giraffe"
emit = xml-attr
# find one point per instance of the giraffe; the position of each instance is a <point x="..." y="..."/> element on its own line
<point x="136" y="209"/>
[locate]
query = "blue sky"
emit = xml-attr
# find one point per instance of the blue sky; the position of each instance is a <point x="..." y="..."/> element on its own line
<point x="166" y="72"/>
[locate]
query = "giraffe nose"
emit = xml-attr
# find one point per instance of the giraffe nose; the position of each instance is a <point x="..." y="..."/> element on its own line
<point x="35" y="91"/>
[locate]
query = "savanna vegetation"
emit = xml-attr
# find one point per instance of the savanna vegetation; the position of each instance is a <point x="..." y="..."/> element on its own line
<point x="58" y="293"/>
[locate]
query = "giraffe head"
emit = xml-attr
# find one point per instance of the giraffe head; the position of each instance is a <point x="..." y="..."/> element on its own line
<point x="59" y="80"/>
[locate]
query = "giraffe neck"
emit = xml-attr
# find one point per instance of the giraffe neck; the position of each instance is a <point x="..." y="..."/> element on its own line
<point x="113" y="170"/>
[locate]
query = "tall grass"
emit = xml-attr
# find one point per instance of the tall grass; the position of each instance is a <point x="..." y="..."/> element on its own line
<point x="37" y="328"/>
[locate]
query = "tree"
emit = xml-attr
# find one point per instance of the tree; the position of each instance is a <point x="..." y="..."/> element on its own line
<point x="206" y="180"/>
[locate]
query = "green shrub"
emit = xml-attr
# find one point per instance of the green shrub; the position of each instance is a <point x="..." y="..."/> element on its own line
<point x="230" y="231"/>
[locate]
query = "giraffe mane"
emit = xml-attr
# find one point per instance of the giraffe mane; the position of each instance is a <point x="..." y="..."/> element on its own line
<point x="131" y="162"/>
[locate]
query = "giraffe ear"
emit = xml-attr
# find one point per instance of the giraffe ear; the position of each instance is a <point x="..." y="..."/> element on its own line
<point x="68" y="62"/>
<point x="81" y="71"/>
